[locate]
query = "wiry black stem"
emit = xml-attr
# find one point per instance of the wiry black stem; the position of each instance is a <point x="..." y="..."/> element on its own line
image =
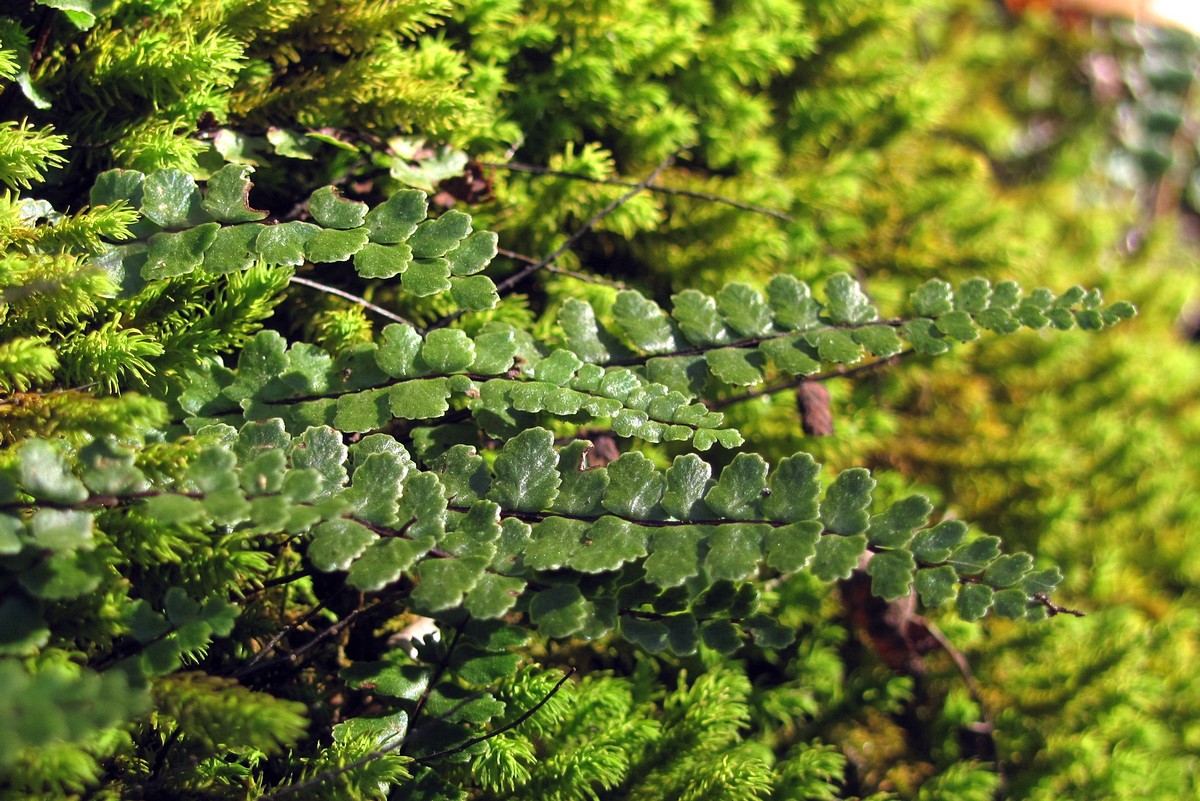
<point x="521" y="275"/>
<point x="350" y="296"/>
<point x="524" y="716"/>
<point x="515" y="166"/>
<point x="841" y="372"/>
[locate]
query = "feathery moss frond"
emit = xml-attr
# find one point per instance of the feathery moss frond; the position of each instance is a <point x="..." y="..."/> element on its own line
<point x="24" y="362"/>
<point x="27" y="153"/>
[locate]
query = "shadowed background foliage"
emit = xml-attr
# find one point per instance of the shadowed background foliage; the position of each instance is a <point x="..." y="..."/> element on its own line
<point x="894" y="141"/>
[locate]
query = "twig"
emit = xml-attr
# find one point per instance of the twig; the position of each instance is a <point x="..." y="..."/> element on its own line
<point x="988" y="727"/>
<point x="358" y="763"/>
<point x="39" y="48"/>
<point x="434" y="678"/>
<point x="279" y="581"/>
<point x="521" y="275"/>
<point x="840" y="372"/>
<point x="592" y="279"/>
<point x="270" y="646"/>
<point x="293" y="657"/>
<point x="524" y="716"/>
<point x="595" y="219"/>
<point x="665" y="190"/>
<point x="161" y="751"/>
<point x="828" y="250"/>
<point x="341" y="293"/>
<point x="1053" y="608"/>
<point x="514" y="255"/>
<point x="964" y="667"/>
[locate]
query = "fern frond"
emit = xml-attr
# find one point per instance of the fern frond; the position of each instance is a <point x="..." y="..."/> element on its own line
<point x="58" y="702"/>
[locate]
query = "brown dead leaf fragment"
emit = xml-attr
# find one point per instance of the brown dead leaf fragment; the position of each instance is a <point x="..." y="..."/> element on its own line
<point x="816" y="418"/>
